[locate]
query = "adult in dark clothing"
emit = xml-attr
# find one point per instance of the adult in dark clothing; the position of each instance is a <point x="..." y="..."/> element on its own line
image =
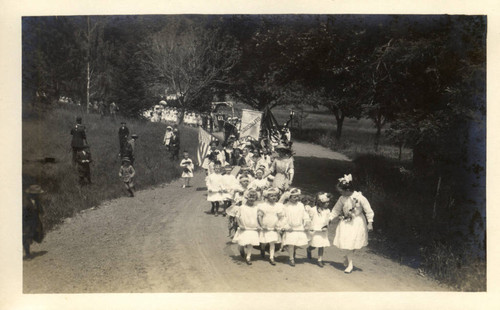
<point x="129" y="149"/>
<point x="175" y="144"/>
<point x="220" y="122"/>
<point x="32" y="222"/>
<point x="229" y="130"/>
<point x="79" y="139"/>
<point x="123" y="133"/>
<point x="83" y="160"/>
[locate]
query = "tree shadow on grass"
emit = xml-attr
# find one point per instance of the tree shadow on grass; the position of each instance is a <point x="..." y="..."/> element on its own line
<point x="313" y="175"/>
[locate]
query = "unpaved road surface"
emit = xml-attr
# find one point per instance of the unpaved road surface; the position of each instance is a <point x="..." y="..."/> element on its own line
<point x="164" y="240"/>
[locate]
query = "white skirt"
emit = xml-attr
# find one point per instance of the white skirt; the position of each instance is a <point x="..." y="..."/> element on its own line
<point x="267" y="236"/>
<point x="319" y="239"/>
<point x="351" y="235"/>
<point x="246" y="237"/>
<point x="297" y="238"/>
<point x="187" y="174"/>
<point x="214" y="196"/>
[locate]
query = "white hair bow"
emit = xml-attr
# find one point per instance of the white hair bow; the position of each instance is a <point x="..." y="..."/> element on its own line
<point x="324" y="198"/>
<point x="346" y="179"/>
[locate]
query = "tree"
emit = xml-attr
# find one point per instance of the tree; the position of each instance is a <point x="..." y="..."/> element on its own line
<point x="191" y="60"/>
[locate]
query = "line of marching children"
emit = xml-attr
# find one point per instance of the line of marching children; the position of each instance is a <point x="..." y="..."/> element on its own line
<point x="272" y="218"/>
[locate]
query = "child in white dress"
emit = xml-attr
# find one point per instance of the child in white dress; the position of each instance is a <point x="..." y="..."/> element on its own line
<point x="187" y="169"/>
<point x="297" y="220"/>
<point x="238" y="193"/>
<point x="229" y="185"/>
<point x="247" y="234"/>
<point x="352" y="230"/>
<point x="269" y="214"/>
<point x="320" y="218"/>
<point x="214" y="188"/>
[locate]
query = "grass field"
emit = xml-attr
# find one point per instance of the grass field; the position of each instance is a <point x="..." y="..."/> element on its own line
<point x="47" y="134"/>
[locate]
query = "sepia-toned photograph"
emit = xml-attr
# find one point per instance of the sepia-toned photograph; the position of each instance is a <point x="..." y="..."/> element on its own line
<point x="176" y="156"/>
<point x="253" y="153"/>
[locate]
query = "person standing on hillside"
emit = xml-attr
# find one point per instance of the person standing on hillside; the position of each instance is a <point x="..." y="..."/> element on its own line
<point x="83" y="160"/>
<point x="32" y="222"/>
<point x="127" y="173"/>
<point x="175" y="144"/>
<point x="79" y="138"/>
<point x="112" y="110"/>
<point x="129" y="149"/>
<point x="123" y="133"/>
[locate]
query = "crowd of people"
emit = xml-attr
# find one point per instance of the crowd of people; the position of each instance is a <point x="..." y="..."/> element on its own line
<point x="250" y="184"/>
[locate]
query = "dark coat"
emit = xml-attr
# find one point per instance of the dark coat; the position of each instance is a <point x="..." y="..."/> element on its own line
<point x="83" y="159"/>
<point x="123" y="133"/>
<point x="32" y="223"/>
<point x="79" y="138"/>
<point x="175" y="142"/>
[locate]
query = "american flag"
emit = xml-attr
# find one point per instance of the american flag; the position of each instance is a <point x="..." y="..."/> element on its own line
<point x="204" y="139"/>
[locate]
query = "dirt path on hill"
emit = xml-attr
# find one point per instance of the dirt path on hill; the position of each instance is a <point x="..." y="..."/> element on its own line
<point x="163" y="240"/>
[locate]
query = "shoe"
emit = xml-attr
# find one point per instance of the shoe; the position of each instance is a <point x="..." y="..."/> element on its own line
<point x="349" y="267"/>
<point x="248" y="261"/>
<point x="183" y="186"/>
<point x="216" y="213"/>
<point x="292" y="262"/>
<point x="272" y="262"/>
<point x="309" y="256"/>
<point x="224" y="214"/>
<point x="262" y="253"/>
<point x="321" y="264"/>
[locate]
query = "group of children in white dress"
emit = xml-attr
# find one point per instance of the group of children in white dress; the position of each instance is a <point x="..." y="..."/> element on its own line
<point x="264" y="216"/>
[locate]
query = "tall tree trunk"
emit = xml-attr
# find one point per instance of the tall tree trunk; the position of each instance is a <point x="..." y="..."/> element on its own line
<point x="88" y="85"/>
<point x="88" y="63"/>
<point x="377" y="136"/>
<point x="340" y="122"/>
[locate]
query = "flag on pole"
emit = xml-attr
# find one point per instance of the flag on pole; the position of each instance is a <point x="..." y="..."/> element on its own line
<point x="204" y="139"/>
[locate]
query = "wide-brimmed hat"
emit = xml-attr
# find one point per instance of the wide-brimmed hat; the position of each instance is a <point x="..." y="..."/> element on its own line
<point x="134" y="136"/>
<point x="34" y="189"/>
<point x="169" y="127"/>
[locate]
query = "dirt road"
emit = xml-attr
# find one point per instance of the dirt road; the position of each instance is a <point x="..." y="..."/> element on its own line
<point x="164" y="240"/>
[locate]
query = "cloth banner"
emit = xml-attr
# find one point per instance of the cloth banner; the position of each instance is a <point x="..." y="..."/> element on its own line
<point x="250" y="123"/>
<point x="204" y="139"/>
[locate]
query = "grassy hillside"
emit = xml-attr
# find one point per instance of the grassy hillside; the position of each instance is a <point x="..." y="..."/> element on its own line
<point x="47" y="134"/>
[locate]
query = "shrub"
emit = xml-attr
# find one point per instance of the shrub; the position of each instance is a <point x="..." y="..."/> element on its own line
<point x="444" y="232"/>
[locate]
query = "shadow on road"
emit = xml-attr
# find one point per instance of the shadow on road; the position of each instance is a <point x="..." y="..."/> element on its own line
<point x="313" y="175"/>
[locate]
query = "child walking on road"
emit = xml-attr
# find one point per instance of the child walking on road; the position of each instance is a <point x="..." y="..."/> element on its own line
<point x="352" y="231"/>
<point x="320" y="218"/>
<point x="215" y="189"/>
<point x="247" y="234"/>
<point x="297" y="222"/>
<point x="188" y="167"/>
<point x="127" y="173"/>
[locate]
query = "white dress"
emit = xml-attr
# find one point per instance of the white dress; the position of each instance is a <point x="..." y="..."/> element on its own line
<point x="352" y="234"/>
<point x="271" y="215"/>
<point x="247" y="233"/>
<point x="214" y="187"/>
<point x="229" y="184"/>
<point x="188" y="167"/>
<point x="317" y="237"/>
<point x="296" y="217"/>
